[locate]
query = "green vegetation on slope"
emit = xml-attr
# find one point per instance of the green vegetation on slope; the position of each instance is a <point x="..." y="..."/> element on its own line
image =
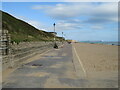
<point x="22" y="31"/>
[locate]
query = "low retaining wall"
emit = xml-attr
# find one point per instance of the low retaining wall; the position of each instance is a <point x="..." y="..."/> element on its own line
<point x="20" y="52"/>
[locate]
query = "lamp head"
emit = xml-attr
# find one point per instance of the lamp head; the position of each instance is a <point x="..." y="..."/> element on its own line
<point x="54" y="24"/>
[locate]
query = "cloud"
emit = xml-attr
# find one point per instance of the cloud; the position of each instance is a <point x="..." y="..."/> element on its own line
<point x="60" y="11"/>
<point x="100" y="20"/>
<point x="37" y="24"/>
<point x="67" y="26"/>
<point x="72" y="24"/>
<point x="98" y="12"/>
<point x="69" y="15"/>
<point x="97" y="27"/>
<point x="81" y="17"/>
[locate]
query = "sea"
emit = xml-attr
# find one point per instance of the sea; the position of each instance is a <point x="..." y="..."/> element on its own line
<point x="103" y="42"/>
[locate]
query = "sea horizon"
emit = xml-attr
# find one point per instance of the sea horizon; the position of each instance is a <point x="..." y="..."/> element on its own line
<point x="103" y="42"/>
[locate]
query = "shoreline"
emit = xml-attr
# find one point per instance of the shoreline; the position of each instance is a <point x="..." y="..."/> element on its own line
<point x="104" y="43"/>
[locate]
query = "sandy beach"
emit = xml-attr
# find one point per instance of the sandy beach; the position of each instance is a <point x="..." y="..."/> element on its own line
<point x="99" y="61"/>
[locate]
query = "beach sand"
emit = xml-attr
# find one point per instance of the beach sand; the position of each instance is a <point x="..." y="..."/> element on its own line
<point x="99" y="61"/>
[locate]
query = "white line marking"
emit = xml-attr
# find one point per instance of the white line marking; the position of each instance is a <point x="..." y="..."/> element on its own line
<point x="79" y="61"/>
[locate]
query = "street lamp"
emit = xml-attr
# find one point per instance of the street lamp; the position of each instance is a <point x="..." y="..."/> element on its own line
<point x="55" y="45"/>
<point x="62" y="37"/>
<point x="54" y="31"/>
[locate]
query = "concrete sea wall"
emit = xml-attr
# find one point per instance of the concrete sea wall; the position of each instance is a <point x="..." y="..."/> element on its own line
<point x="13" y="54"/>
<point x="20" y="52"/>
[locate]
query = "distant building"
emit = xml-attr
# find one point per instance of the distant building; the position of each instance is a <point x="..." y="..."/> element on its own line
<point x="54" y="33"/>
<point x="72" y="41"/>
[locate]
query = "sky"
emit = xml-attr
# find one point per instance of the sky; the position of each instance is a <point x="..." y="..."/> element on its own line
<point x="81" y="21"/>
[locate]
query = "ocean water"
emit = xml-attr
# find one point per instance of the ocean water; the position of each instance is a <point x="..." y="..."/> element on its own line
<point x="103" y="42"/>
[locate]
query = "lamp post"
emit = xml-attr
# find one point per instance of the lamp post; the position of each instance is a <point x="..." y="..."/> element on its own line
<point x="54" y="31"/>
<point x="55" y="45"/>
<point x="62" y="37"/>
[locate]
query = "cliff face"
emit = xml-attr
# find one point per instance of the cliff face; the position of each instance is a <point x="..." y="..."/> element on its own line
<point x="22" y="31"/>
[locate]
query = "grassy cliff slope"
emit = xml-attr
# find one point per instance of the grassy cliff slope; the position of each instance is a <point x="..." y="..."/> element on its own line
<point x="22" y="31"/>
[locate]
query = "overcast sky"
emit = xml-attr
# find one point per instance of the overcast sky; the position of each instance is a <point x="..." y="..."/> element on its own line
<point x="79" y="21"/>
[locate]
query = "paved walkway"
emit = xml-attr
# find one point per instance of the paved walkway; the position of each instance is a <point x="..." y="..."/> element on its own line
<point x="53" y="69"/>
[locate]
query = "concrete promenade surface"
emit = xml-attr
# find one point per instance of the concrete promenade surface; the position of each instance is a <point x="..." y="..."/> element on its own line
<point x="58" y="68"/>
